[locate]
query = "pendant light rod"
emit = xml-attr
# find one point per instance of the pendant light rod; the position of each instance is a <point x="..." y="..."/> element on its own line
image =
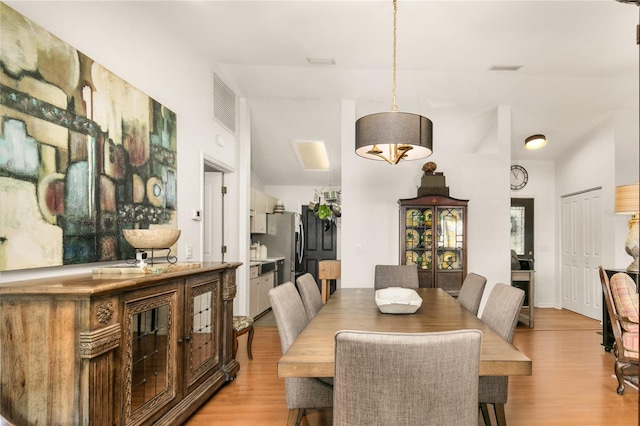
<point x="394" y="107"/>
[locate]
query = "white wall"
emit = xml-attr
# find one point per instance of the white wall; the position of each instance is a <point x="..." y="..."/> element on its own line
<point x="371" y="189"/>
<point x="172" y="74"/>
<point x="606" y="157"/>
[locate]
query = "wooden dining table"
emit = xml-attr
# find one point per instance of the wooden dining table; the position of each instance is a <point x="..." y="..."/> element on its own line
<point x="313" y="351"/>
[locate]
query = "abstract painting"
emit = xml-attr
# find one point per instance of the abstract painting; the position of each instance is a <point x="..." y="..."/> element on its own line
<point x="83" y="154"/>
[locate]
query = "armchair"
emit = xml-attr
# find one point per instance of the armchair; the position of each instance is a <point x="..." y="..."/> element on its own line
<point x="621" y="300"/>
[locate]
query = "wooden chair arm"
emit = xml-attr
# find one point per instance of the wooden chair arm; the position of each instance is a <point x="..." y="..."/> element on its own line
<point x="625" y="319"/>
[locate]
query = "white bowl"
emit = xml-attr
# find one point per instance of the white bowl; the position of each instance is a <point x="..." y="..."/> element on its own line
<point x="398" y="300"/>
<point x="151" y="238"/>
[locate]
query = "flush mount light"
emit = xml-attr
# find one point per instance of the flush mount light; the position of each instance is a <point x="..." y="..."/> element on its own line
<point x="535" y="141"/>
<point x="394" y="136"/>
<point x="312" y="155"/>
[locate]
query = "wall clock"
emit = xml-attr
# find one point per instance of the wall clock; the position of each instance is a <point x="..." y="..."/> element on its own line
<point x="519" y="177"/>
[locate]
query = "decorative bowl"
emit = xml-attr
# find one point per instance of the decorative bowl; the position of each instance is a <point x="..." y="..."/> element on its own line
<point x="398" y="300"/>
<point x="151" y="238"/>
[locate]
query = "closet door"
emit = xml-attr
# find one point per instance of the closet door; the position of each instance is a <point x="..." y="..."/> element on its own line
<point x="581" y="252"/>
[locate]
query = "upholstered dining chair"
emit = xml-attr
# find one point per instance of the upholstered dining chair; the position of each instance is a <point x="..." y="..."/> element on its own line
<point x="383" y="379"/>
<point x="396" y="276"/>
<point x="501" y="314"/>
<point x="471" y="292"/>
<point x="291" y="318"/>
<point x="621" y="299"/>
<point x="310" y="294"/>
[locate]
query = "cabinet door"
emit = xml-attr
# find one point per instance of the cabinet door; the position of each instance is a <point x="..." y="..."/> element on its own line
<point x="151" y="320"/>
<point x="450" y="248"/>
<point x="266" y="284"/>
<point x="202" y="327"/>
<point x="254" y="295"/>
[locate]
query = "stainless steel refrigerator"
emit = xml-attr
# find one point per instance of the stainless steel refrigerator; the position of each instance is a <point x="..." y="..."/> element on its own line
<point x="281" y="240"/>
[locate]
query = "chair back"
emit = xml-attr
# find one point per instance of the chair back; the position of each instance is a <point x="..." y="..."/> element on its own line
<point x="613" y="302"/>
<point x="503" y="309"/>
<point x="471" y="292"/>
<point x="396" y="276"/>
<point x="289" y="313"/>
<point x="501" y="314"/>
<point x="390" y="379"/>
<point x="310" y="294"/>
<point x="291" y="319"/>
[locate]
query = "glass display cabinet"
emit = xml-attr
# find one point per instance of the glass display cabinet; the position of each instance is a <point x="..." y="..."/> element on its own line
<point x="433" y="237"/>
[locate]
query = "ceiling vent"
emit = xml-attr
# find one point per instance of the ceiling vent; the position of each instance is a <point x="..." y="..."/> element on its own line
<point x="505" y="67"/>
<point x="224" y="104"/>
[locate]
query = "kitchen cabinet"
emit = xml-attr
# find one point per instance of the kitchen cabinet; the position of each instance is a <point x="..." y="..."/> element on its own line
<point x="259" y="286"/>
<point x="116" y="350"/>
<point x="433" y="230"/>
<point x="261" y="204"/>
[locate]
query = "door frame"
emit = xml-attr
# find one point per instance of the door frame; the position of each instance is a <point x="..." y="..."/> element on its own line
<point x="210" y="164"/>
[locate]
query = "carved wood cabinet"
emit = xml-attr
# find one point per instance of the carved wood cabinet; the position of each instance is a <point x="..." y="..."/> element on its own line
<point x="433" y="236"/>
<point x="116" y="350"/>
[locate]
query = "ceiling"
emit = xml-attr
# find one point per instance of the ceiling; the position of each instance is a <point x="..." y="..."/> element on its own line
<point x="579" y="64"/>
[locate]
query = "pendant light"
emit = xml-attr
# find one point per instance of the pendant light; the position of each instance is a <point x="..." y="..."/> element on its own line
<point x="394" y="136"/>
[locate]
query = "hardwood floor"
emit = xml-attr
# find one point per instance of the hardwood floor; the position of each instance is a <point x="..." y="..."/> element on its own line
<point x="572" y="381"/>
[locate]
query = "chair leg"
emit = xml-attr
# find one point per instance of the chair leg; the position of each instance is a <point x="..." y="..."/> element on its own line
<point x="295" y="416"/>
<point x="485" y="414"/>
<point x="619" y="370"/>
<point x="249" y="341"/>
<point x="500" y="417"/>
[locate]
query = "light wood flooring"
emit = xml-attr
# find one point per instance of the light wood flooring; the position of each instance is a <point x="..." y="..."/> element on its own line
<point x="572" y="381"/>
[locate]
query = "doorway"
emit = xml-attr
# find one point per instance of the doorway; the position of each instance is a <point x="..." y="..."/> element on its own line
<point x="522" y="229"/>
<point x="215" y="181"/>
<point x="581" y="252"/>
<point x="319" y="243"/>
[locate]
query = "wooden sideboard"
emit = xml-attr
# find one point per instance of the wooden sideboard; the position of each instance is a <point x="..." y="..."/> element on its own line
<point x="116" y="349"/>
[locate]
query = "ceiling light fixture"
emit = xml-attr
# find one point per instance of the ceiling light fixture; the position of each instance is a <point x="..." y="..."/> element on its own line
<point x="394" y="136"/>
<point x="535" y="141"/>
<point x="312" y="155"/>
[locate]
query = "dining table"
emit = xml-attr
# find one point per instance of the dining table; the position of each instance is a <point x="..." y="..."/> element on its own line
<point x="312" y="354"/>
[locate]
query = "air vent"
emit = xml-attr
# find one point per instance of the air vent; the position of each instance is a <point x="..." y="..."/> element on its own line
<point x="505" y="67"/>
<point x="224" y="104"/>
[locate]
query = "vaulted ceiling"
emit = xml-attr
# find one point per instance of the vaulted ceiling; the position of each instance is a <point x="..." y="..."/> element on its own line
<point x="579" y="63"/>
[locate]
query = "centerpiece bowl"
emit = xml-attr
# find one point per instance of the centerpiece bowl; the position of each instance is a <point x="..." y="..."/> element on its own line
<point x="151" y="238"/>
<point x="398" y="300"/>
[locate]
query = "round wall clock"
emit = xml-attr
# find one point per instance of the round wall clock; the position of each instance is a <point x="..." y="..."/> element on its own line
<point x="519" y="177"/>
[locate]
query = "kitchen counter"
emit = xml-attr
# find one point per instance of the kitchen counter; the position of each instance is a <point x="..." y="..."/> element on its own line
<point x="268" y="259"/>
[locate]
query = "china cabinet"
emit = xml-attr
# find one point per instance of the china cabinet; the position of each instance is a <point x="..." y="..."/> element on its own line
<point x="116" y="349"/>
<point x="433" y="237"/>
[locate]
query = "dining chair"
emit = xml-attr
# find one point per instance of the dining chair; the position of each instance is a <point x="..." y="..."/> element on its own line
<point x="242" y="325"/>
<point x="501" y="314"/>
<point x="471" y="292"/>
<point x="396" y="276"/>
<point x="621" y="300"/>
<point x="291" y="318"/>
<point x="383" y="379"/>
<point x="310" y="294"/>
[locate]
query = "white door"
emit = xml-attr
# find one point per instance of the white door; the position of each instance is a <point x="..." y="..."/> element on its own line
<point x="581" y="253"/>
<point x="212" y="217"/>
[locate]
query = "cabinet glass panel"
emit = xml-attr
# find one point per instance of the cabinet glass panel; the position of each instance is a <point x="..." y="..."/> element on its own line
<point x="418" y="237"/>
<point x="149" y="347"/>
<point x="202" y="348"/>
<point x="450" y="238"/>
